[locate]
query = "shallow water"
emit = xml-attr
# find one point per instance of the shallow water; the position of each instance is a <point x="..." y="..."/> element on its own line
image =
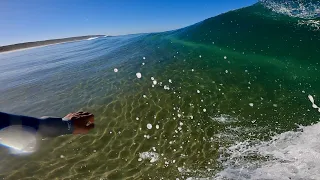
<point x="206" y="90"/>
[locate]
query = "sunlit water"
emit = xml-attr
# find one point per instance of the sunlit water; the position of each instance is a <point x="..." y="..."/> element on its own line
<point x="222" y="99"/>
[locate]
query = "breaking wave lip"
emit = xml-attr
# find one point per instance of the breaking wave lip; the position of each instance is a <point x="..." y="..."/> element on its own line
<point x="307" y="9"/>
<point x="314" y="24"/>
<point x="92" y="38"/>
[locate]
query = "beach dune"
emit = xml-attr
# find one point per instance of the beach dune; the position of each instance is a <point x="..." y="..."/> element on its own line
<point x="43" y="43"/>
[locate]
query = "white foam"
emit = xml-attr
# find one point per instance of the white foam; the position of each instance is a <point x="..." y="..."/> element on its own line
<point x="301" y="9"/>
<point x="313" y="24"/>
<point x="92" y="38"/>
<point x="223" y="118"/>
<point x="152" y="156"/>
<point x="292" y="155"/>
<point x="289" y="155"/>
<point x="138" y="75"/>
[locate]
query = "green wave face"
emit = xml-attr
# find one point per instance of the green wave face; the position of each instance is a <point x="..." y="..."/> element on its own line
<point x="210" y="98"/>
<point x="258" y="30"/>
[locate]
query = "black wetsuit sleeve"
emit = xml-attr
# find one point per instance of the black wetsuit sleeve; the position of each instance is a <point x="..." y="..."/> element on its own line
<point x="48" y="127"/>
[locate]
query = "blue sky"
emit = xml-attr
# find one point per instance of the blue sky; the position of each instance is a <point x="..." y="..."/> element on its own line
<point x="22" y="21"/>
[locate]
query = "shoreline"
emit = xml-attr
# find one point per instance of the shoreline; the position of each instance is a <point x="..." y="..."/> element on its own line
<point x="34" y="47"/>
<point x="36" y="44"/>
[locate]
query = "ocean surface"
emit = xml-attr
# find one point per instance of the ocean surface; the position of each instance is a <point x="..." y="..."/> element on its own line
<point x="232" y="97"/>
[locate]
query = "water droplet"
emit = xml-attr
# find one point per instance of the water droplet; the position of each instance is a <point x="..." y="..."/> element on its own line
<point x="154" y="82"/>
<point x="138" y="75"/>
<point x="311" y="99"/>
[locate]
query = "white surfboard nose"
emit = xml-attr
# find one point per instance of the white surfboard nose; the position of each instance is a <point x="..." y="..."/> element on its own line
<point x="19" y="139"/>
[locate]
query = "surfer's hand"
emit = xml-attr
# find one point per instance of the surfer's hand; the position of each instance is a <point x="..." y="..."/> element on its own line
<point x="82" y="122"/>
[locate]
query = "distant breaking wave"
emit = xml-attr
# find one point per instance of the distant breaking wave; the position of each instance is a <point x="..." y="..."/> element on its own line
<point x="92" y="38"/>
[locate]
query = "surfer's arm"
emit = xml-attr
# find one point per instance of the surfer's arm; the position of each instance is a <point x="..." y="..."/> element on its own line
<point x="46" y="127"/>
